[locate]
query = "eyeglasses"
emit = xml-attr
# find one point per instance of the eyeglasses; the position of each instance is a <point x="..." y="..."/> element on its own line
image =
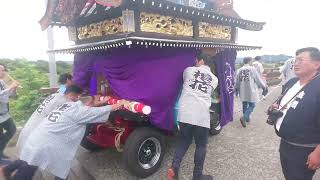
<point x="300" y="60"/>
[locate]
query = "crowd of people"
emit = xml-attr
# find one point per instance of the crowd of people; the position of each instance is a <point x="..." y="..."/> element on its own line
<point x="295" y="114"/>
<point x="51" y="136"/>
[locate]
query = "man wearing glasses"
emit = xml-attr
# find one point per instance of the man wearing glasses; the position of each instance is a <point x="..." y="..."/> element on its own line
<point x="299" y="124"/>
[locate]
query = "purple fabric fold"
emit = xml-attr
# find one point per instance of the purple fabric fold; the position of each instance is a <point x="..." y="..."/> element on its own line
<point x="225" y="62"/>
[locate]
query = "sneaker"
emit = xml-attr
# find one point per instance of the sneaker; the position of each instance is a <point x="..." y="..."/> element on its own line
<point x="172" y="174"/>
<point x="203" y="177"/>
<point x="243" y="122"/>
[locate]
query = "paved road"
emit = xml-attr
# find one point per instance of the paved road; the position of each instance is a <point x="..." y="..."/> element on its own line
<point x="236" y="154"/>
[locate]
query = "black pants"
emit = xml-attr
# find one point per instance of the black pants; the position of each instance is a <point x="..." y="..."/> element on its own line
<point x="186" y="134"/>
<point x="10" y="129"/>
<point x="22" y="170"/>
<point x="293" y="162"/>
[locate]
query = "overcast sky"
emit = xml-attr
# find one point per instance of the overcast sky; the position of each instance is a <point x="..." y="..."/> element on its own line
<point x="291" y="24"/>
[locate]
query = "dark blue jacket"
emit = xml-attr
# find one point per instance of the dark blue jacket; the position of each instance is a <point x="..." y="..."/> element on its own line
<point x="302" y="124"/>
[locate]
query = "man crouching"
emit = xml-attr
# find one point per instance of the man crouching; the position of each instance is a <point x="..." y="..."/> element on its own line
<point x="52" y="146"/>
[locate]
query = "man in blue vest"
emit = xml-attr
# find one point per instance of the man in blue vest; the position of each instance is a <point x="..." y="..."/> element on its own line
<point x="298" y="124"/>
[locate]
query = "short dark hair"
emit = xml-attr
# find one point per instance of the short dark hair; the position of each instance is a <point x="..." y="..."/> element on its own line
<point x="314" y="52"/>
<point x="204" y="57"/>
<point x="64" y="77"/>
<point x="73" y="89"/>
<point x="246" y="60"/>
<point x="257" y="58"/>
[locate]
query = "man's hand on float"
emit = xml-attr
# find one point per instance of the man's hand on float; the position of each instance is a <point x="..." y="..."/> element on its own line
<point x="97" y="101"/>
<point x="118" y="105"/>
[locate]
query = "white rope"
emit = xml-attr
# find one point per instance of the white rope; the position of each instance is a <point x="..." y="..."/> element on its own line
<point x="117" y="138"/>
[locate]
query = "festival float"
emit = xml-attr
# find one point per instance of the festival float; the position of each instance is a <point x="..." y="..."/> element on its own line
<point x="137" y="50"/>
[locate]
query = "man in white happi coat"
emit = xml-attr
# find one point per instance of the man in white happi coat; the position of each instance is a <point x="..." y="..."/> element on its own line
<point x="248" y="82"/>
<point x="194" y="116"/>
<point x="48" y="105"/>
<point x="53" y="144"/>
<point x="287" y="70"/>
<point x="258" y="65"/>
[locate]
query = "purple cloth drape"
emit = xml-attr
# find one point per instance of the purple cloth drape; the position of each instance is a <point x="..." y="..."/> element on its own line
<point x="225" y="62"/>
<point x="152" y="76"/>
<point x="82" y="69"/>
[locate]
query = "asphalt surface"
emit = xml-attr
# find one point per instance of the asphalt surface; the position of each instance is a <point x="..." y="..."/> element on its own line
<point x="237" y="153"/>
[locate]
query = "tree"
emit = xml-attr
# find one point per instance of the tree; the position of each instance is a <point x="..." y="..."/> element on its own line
<point x="29" y="98"/>
<point x="32" y="75"/>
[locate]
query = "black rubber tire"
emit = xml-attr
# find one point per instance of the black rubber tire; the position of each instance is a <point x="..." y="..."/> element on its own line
<point x="85" y="143"/>
<point x="131" y="151"/>
<point x="215" y="125"/>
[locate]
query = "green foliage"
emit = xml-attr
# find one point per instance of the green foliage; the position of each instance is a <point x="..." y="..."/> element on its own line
<point x="32" y="76"/>
<point x="62" y="66"/>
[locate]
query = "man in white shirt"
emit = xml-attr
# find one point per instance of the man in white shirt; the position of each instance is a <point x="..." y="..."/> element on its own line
<point x="194" y="116"/>
<point x="288" y="70"/>
<point x="258" y="65"/>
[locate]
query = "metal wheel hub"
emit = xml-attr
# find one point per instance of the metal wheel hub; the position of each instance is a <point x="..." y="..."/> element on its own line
<point x="149" y="153"/>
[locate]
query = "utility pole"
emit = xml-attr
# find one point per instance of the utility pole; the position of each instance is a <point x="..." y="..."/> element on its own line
<point x="52" y="60"/>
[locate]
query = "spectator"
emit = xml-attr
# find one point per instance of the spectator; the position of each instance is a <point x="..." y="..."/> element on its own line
<point x="6" y="121"/>
<point x="247" y="83"/>
<point x="299" y="120"/>
<point x="287" y="70"/>
<point x="258" y="65"/>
